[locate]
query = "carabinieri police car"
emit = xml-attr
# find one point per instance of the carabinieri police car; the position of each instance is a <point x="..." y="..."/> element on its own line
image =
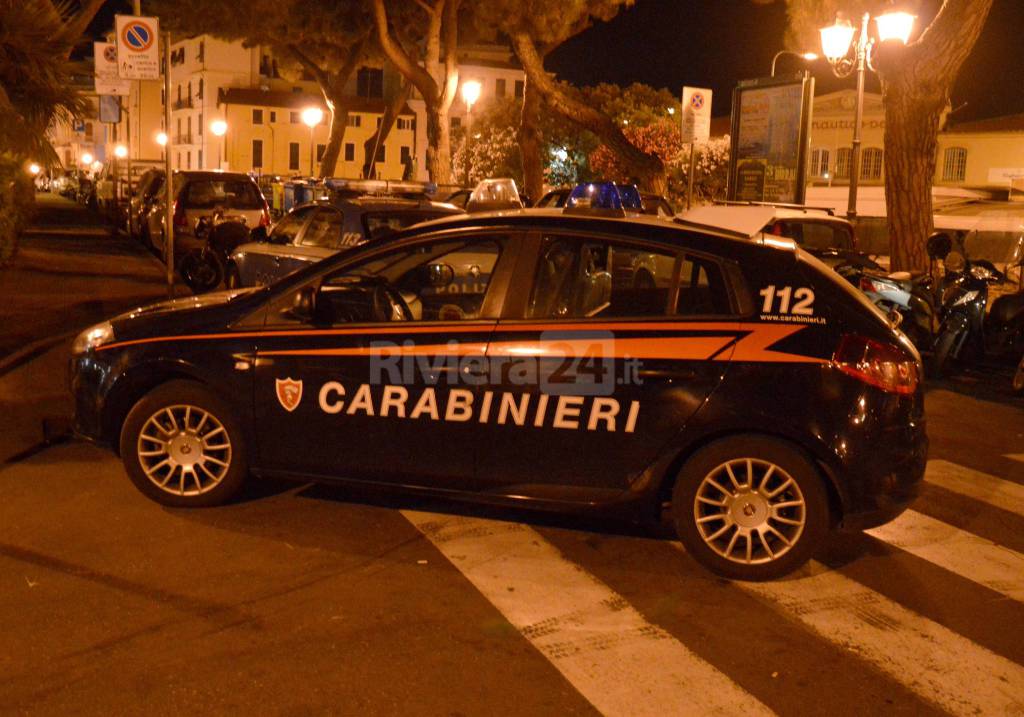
<point x="584" y="359"/>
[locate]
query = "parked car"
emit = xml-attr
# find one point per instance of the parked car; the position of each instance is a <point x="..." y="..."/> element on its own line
<point x="202" y="194"/>
<point x="321" y="229"/>
<point x="147" y="190"/>
<point x="653" y="204"/>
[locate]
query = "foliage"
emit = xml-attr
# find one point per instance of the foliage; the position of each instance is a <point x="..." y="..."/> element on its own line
<point x="35" y="90"/>
<point x="637" y="104"/>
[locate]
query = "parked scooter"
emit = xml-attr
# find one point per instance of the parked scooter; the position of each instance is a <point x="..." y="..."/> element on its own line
<point x="965" y="328"/>
<point x="203" y="268"/>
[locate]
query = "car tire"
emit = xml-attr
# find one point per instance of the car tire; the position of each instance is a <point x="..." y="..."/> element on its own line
<point x="750" y="508"/>
<point x="182" y="446"/>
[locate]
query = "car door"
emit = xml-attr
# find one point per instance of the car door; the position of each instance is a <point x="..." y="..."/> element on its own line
<point x="614" y="345"/>
<point x="271" y="260"/>
<point x="377" y="382"/>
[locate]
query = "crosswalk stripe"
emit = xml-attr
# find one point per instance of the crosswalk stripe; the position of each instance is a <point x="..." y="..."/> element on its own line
<point x="974" y="484"/>
<point x="612" y="656"/>
<point x="949" y="670"/>
<point x="957" y="551"/>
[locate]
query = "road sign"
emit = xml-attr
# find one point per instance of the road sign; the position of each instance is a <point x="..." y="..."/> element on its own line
<point x="696" y="114"/>
<point x="138" y="49"/>
<point x="105" y="62"/>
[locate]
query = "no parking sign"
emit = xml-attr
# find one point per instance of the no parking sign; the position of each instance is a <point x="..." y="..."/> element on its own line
<point x="138" y="47"/>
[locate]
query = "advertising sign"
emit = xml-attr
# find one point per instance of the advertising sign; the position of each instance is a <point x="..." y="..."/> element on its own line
<point x="110" y="109"/>
<point x="105" y="64"/>
<point x="138" y="49"/>
<point x="771" y="121"/>
<point x="696" y="114"/>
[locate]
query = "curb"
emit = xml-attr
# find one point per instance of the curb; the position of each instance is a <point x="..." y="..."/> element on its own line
<point x="33" y="350"/>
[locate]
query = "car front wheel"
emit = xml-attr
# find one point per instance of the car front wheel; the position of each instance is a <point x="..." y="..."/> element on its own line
<point x="750" y="508"/>
<point x="182" y="446"/>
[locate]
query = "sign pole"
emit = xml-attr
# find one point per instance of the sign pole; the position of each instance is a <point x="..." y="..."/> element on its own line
<point x="168" y="174"/>
<point x="689" y="174"/>
<point x="127" y="185"/>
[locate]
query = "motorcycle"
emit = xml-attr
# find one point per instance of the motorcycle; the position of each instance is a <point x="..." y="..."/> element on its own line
<point x="965" y="327"/>
<point x="203" y="268"/>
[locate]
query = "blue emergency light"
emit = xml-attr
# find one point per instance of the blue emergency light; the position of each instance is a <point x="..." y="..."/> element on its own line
<point x="604" y="197"/>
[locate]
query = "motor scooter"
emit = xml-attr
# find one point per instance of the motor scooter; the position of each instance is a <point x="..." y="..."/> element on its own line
<point x="966" y="329"/>
<point x="203" y="268"/>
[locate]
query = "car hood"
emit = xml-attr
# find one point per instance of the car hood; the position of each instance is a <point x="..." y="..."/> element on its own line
<point x="187" y="303"/>
<point x="188" y="315"/>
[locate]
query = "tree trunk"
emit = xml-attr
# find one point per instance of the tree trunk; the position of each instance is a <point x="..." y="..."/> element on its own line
<point x="648" y="169"/>
<point x="911" y="140"/>
<point x="378" y="138"/>
<point x="530" y="144"/>
<point x="339" y="122"/>
<point x="916" y="82"/>
<point x="439" y="160"/>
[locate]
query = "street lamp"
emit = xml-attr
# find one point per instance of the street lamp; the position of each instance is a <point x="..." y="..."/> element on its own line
<point x="470" y="94"/>
<point x="220" y="128"/>
<point x="847" y="54"/>
<point x="311" y="117"/>
<point x="120" y="151"/>
<point x="809" y="56"/>
<point x="34" y="169"/>
<point x="86" y="159"/>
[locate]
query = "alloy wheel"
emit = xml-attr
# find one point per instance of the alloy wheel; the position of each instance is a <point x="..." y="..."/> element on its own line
<point x="184" y="450"/>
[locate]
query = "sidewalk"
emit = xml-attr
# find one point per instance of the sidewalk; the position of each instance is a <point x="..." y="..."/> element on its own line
<point x="71" y="271"/>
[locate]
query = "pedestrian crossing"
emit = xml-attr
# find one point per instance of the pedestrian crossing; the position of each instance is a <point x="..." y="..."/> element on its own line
<point x="624" y="662"/>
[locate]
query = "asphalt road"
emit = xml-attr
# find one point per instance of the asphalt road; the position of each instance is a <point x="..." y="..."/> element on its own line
<point x="303" y="599"/>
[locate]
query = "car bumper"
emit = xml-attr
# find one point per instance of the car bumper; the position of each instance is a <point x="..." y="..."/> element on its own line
<point x="85" y="380"/>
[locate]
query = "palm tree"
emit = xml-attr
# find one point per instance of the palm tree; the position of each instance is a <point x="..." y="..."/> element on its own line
<point x="36" y="39"/>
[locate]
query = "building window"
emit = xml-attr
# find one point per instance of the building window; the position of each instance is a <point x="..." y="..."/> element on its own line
<point x="273" y="116"/>
<point x="202" y="51"/>
<point x="404" y="123"/>
<point x="199" y="94"/>
<point x="350" y="152"/>
<point x="954" y="164"/>
<point x="456" y="122"/>
<point x="370" y="82"/>
<point x="320" y="149"/>
<point x="199" y="125"/>
<point x="188" y="160"/>
<point x="381" y="156"/>
<point x="199" y="159"/>
<point x="257" y="116"/>
<point x="179" y="94"/>
<point x="499" y="88"/>
<point x="819" y="163"/>
<point x="519" y="88"/>
<point x="355" y="121"/>
<point x="293" y="117"/>
<point x="257" y="153"/>
<point x="843" y="163"/>
<point x="406" y="154"/>
<point x="871" y="163"/>
<point x="188" y="130"/>
<point x="293" y="155"/>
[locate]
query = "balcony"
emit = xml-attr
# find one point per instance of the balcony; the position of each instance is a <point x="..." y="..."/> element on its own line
<point x="183" y="139"/>
<point x="183" y="104"/>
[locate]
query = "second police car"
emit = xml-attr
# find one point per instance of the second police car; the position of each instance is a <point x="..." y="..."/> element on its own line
<point x="748" y="387"/>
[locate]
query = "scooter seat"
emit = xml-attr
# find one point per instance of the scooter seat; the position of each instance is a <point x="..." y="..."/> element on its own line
<point x="1008" y="308"/>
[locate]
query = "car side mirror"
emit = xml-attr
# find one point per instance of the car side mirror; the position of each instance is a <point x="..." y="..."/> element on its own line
<point x="440" y="275"/>
<point x="258" y="234"/>
<point x="304" y="306"/>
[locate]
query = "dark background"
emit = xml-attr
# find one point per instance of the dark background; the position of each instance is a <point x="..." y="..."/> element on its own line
<point x="715" y="43"/>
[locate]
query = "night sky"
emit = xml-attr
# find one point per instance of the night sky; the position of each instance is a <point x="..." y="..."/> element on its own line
<point x="715" y="43"/>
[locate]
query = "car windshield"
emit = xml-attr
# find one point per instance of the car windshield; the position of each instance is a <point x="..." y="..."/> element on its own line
<point x="227" y="193"/>
<point x="379" y="225"/>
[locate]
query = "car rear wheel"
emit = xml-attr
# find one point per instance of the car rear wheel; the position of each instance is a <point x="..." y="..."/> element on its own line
<point x="182" y="446"/>
<point x="750" y="508"/>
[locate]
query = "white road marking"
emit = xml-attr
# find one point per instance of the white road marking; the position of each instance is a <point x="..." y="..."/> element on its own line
<point x="969" y="556"/>
<point x="997" y="492"/>
<point x="617" y="660"/>
<point x="938" y="664"/>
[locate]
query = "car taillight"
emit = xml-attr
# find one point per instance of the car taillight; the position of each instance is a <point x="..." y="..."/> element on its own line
<point x="265" y="215"/>
<point x="880" y="365"/>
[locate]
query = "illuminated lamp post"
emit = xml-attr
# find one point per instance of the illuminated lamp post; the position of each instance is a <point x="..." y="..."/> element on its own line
<point x="848" y="54"/>
<point x="470" y="94"/>
<point x="808" y="56"/>
<point x="220" y="129"/>
<point x="311" y="117"/>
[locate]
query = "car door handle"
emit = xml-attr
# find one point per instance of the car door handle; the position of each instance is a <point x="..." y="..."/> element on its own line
<point x="657" y="374"/>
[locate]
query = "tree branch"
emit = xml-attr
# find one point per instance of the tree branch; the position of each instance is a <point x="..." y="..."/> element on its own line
<point x="322" y="77"/>
<point x="399" y="57"/>
<point x="75" y="27"/>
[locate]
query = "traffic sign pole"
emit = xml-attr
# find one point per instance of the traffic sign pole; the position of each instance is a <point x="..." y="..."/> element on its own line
<point x="689" y="174"/>
<point x="168" y="175"/>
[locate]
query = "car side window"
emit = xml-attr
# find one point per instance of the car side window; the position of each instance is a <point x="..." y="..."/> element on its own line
<point x="702" y="289"/>
<point x="324" y="230"/>
<point x="580" y="278"/>
<point x="288" y="228"/>
<point x="444" y="280"/>
<point x="821" y="235"/>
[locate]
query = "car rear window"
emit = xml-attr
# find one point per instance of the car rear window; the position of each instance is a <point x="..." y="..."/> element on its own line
<point x="379" y="225"/>
<point x="227" y="193"/>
